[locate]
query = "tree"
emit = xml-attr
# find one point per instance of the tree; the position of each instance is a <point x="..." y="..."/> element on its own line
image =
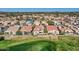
<point x="1" y="33"/>
<point x="50" y="22"/>
<point x="18" y="33"/>
<point x="62" y="33"/>
<point x="45" y="30"/>
<point x="1" y="38"/>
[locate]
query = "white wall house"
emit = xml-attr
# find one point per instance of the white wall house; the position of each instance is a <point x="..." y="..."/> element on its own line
<point x="37" y="22"/>
<point x="38" y="30"/>
<point x="68" y="31"/>
<point x="11" y="30"/>
<point x="52" y="30"/>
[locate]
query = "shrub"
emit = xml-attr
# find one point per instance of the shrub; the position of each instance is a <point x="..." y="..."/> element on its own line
<point x="50" y="22"/>
<point x="1" y="33"/>
<point x="1" y="38"/>
<point x="62" y="33"/>
<point x="18" y="33"/>
<point x="45" y="30"/>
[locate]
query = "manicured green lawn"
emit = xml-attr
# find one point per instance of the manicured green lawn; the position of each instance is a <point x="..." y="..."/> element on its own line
<point x="34" y="46"/>
<point x="65" y="43"/>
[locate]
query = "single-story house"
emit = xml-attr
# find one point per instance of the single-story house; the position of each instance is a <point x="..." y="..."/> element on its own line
<point x="65" y="30"/>
<point x="0" y="29"/>
<point x="52" y="30"/>
<point x="29" y="21"/>
<point x="11" y="30"/>
<point x="36" y="22"/>
<point x="68" y="31"/>
<point x="61" y="29"/>
<point x="57" y="23"/>
<point x="44" y="23"/>
<point x="3" y="29"/>
<point x="76" y="31"/>
<point x="39" y="29"/>
<point x="26" y="29"/>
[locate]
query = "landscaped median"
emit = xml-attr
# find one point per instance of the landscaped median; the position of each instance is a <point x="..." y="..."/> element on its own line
<point x="63" y="43"/>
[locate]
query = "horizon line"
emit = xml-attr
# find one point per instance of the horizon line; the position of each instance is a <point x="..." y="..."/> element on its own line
<point x="39" y="9"/>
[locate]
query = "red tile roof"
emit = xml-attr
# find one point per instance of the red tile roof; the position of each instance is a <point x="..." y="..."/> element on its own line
<point x="26" y="28"/>
<point x="38" y="28"/>
<point x="13" y="28"/>
<point x="51" y="27"/>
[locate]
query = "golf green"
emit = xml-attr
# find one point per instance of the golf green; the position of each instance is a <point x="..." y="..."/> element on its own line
<point x="34" y="46"/>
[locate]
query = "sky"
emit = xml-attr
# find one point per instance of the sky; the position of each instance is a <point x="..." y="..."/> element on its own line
<point x="39" y="9"/>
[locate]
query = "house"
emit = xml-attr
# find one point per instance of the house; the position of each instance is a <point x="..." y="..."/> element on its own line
<point x="11" y="30"/>
<point x="22" y="21"/>
<point x="13" y="22"/>
<point x="36" y="22"/>
<point x="68" y="31"/>
<point x="29" y="21"/>
<point x="26" y="29"/>
<point x="44" y="23"/>
<point x="52" y="30"/>
<point x="65" y="30"/>
<point x="24" y="16"/>
<point x="39" y="29"/>
<point x="57" y="23"/>
<point x="76" y="31"/>
<point x="7" y="23"/>
<point x="2" y="15"/>
<point x="61" y="29"/>
<point x="1" y="29"/>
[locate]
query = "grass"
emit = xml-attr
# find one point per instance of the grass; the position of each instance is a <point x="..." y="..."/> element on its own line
<point x="64" y="43"/>
<point x="33" y="46"/>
